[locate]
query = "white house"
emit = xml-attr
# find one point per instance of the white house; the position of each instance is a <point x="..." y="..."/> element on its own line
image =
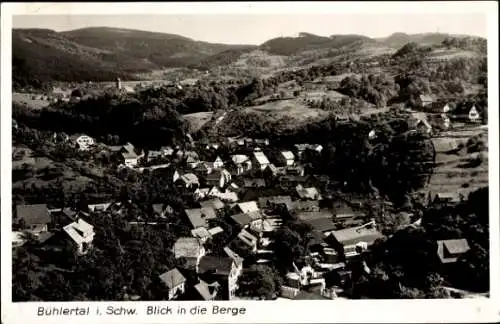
<point x="474" y="115"/>
<point x="218" y="163"/>
<point x="287" y="158"/>
<point x="81" y="234"/>
<point x="260" y="160"/>
<point x="175" y="283"/>
<point x="241" y="163"/>
<point x="84" y="142"/>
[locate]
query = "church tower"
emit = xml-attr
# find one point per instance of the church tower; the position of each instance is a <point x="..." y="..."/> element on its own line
<point x="118" y="83"/>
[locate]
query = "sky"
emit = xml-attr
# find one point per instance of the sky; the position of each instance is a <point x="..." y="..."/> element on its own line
<point x="257" y="28"/>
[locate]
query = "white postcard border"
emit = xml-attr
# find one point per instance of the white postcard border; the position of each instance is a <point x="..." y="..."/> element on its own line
<point x="269" y="312"/>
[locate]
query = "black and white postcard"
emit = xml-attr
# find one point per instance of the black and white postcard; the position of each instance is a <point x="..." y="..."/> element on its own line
<point x="250" y="162"/>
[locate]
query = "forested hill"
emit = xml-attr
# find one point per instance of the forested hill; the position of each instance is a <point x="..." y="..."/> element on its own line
<point x="103" y="53"/>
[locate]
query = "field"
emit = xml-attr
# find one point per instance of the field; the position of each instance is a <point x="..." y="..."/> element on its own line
<point x="32" y="100"/>
<point x="457" y="172"/>
<point x="197" y="120"/>
<point x="293" y="108"/>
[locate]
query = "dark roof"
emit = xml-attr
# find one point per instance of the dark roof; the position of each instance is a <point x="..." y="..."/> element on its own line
<point x="321" y="224"/>
<point x="242" y="219"/>
<point x="219" y="265"/>
<point x="33" y="214"/>
<point x="254" y="182"/>
<point x="265" y="201"/>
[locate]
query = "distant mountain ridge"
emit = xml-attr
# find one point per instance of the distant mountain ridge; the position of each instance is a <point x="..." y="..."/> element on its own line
<point x="103" y="53"/>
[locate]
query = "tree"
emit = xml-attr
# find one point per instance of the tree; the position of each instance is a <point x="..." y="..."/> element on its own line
<point x="259" y="281"/>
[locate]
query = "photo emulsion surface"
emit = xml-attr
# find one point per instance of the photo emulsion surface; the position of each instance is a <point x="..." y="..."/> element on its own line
<point x="233" y="157"/>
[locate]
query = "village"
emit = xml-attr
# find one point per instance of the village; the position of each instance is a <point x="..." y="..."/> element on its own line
<point x="256" y="188"/>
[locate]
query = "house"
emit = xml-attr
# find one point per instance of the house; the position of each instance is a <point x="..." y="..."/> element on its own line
<point x="294" y="170"/>
<point x="201" y="233"/>
<point x="244" y="244"/>
<point x="215" y="203"/>
<point x="344" y="212"/>
<point x="321" y="221"/>
<point x="188" y="180"/>
<point x="241" y="163"/>
<point x="286" y="158"/>
<point x="308" y="193"/>
<point x="247" y="207"/>
<point x="220" y="178"/>
<point x="191" y="249"/>
<point x="254" y="183"/>
<point x="33" y="218"/>
<point x="81" y="234"/>
<point x="262" y="141"/>
<point x="207" y="291"/>
<point x="289" y="181"/>
<point x="154" y="155"/>
<point x="318" y="148"/>
<point x="201" y="193"/>
<point x="84" y="142"/>
<point x="424" y="100"/>
<point x="268" y="202"/>
<point x="223" y="268"/>
<point x="215" y="230"/>
<point x="474" y="115"/>
<point x="245" y="219"/>
<point x="166" y="151"/>
<point x="162" y="210"/>
<point x="260" y="160"/>
<point x="175" y="283"/>
<point x="198" y="217"/>
<point x="306" y="206"/>
<point x="357" y="238"/>
<point x="130" y="159"/>
<point x="300" y="149"/>
<point x="450" y="250"/>
<point x="438" y="107"/>
<point x="445" y="145"/>
<point x="270" y="171"/>
<point x="218" y="163"/>
<point x="227" y="195"/>
<point x="99" y="207"/>
<point x="192" y="162"/>
<point x="446" y="197"/>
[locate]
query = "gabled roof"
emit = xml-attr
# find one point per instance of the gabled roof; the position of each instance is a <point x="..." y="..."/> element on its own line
<point x="215" y="203"/>
<point x="354" y="235"/>
<point x="215" y="230"/>
<point x="78" y="229"/>
<point x="242" y="219"/>
<point x="456" y="246"/>
<point x="248" y="206"/>
<point x="217" y="264"/>
<point x="189" y="247"/>
<point x="248" y="238"/>
<point x="257" y="183"/>
<point x="306" y="205"/>
<point x="308" y="193"/>
<point x="199" y="216"/>
<point x="189" y="178"/>
<point x="201" y="232"/>
<point x="260" y="157"/>
<point x="33" y="214"/>
<point x="239" y="158"/>
<point x="266" y="201"/>
<point x="172" y="278"/>
<point x="233" y="255"/>
<point x="204" y="289"/>
<point x="288" y="155"/>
